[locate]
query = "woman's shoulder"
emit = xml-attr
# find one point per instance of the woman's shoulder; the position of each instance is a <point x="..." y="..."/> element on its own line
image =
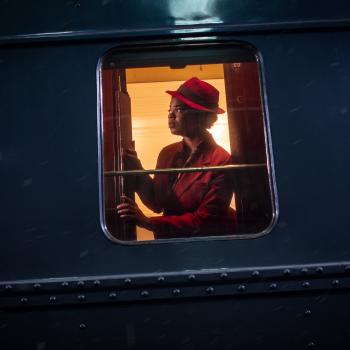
<point x="173" y="147"/>
<point x="220" y="155"/>
<point x="167" y="154"/>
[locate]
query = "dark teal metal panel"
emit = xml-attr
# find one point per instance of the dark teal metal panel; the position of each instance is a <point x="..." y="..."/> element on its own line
<point x="49" y="203"/>
<point x="79" y="18"/>
<point x="49" y="150"/>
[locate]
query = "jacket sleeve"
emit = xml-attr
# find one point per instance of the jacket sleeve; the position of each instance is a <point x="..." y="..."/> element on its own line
<point x="145" y="189"/>
<point x="213" y="216"/>
<point x="145" y="185"/>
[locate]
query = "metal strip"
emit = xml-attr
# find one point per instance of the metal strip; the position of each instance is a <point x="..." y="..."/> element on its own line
<point x="184" y="170"/>
<point x="113" y="34"/>
<point x="175" y="285"/>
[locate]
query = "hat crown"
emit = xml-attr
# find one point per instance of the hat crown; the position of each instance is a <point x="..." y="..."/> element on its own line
<point x="199" y="95"/>
<point x="201" y="92"/>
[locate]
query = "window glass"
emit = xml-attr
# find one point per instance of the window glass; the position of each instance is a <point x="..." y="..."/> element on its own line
<point x="184" y="144"/>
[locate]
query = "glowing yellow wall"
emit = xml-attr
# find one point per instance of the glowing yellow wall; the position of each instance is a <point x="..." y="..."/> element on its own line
<point x="149" y="114"/>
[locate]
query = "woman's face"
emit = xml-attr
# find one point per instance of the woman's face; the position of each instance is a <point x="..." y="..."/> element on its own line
<point x="182" y="120"/>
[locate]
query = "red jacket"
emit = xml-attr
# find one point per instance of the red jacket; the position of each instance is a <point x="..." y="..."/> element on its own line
<point x="193" y="204"/>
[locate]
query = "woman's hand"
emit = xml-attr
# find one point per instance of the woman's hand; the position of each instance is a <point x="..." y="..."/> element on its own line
<point x="129" y="210"/>
<point x="130" y="159"/>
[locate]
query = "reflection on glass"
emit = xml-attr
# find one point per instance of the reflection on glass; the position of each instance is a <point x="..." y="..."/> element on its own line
<point x="160" y="118"/>
<point x="150" y="127"/>
<point x="193" y="12"/>
<point x="193" y="202"/>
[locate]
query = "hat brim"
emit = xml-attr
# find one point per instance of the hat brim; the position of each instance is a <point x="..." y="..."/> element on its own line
<point x="194" y="105"/>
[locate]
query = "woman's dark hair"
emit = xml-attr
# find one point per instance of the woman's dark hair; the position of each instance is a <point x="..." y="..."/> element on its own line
<point x="209" y="118"/>
<point x="202" y="119"/>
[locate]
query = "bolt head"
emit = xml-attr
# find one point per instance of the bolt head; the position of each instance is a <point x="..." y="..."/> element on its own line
<point x="273" y="286"/>
<point x="306" y="284"/>
<point x="210" y="290"/>
<point x="255" y="273"/>
<point x="241" y="288"/>
<point x="286" y="272"/>
<point x="161" y="279"/>
<point x="224" y="275"/>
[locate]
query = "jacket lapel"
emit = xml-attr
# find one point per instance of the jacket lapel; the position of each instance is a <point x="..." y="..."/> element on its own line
<point x="187" y="179"/>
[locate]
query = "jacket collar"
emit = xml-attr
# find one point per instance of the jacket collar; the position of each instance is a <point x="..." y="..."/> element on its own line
<point x="201" y="158"/>
<point x="202" y="152"/>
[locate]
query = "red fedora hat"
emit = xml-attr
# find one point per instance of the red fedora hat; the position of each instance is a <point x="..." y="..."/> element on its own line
<point x="198" y="94"/>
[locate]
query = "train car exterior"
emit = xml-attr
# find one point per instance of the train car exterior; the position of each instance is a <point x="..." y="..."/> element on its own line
<point x="67" y="280"/>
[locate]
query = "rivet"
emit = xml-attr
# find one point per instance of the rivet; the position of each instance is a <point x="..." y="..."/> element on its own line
<point x="52" y="299"/>
<point x="65" y="284"/>
<point x="8" y="286"/>
<point x="176" y="291"/>
<point x="81" y="283"/>
<point x="286" y="272"/>
<point x="307" y="312"/>
<point x="112" y="295"/>
<point x="210" y="290"/>
<point x="224" y="275"/>
<point x="306" y="284"/>
<point x="319" y="269"/>
<point x="24" y="300"/>
<point x="37" y="285"/>
<point x="273" y="286"/>
<point x="255" y="273"/>
<point x="161" y="279"/>
<point x="241" y="288"/>
<point x="311" y="344"/>
<point x="97" y="283"/>
<point x="127" y="281"/>
<point x="304" y="271"/>
<point x="82" y="326"/>
<point x="191" y="277"/>
<point x="81" y="297"/>
<point x="144" y="293"/>
<point x="335" y="283"/>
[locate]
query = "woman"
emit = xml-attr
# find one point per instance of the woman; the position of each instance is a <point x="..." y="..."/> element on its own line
<point x="194" y="203"/>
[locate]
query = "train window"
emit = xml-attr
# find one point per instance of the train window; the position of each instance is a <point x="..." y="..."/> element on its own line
<point x="184" y="144"/>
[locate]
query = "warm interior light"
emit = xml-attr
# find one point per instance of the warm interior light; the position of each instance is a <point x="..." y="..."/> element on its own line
<point x="149" y="105"/>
